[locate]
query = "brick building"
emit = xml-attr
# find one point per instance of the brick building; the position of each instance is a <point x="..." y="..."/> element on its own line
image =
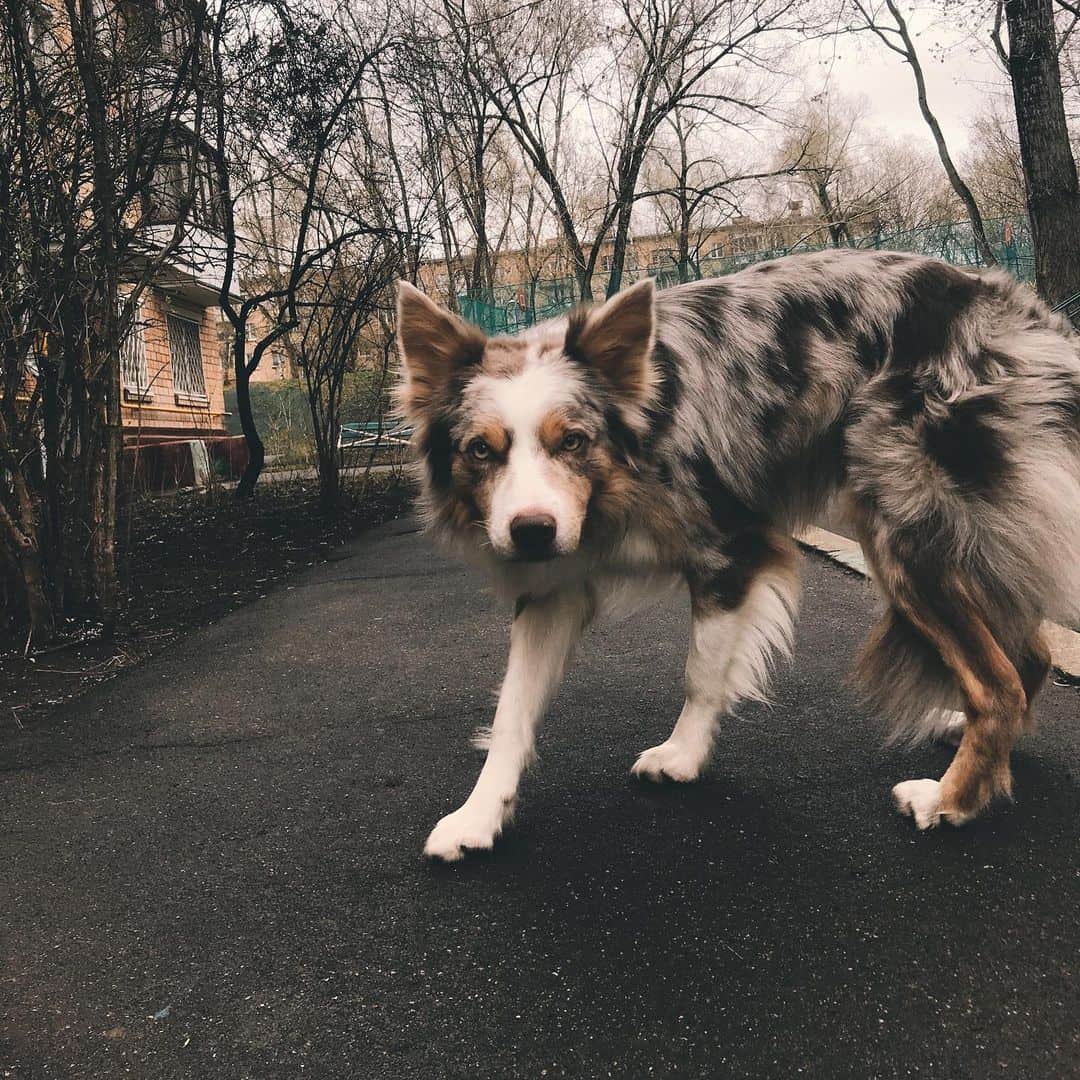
<point x="651" y="254"/>
<point x="171" y="375"/>
<point x="275" y="365"/>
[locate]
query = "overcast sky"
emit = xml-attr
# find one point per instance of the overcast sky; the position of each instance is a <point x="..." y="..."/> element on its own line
<point x="961" y="77"/>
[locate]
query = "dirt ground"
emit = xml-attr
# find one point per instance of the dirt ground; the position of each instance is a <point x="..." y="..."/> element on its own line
<point x="188" y="559"/>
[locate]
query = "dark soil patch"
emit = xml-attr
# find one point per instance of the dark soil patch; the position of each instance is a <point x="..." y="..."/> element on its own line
<point x="190" y="558"/>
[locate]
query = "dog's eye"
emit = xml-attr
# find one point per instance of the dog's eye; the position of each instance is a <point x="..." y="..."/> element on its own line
<point x="575" y="440"/>
<point x="478" y="450"/>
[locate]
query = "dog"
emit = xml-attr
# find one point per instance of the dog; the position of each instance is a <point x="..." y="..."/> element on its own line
<point x="687" y="434"/>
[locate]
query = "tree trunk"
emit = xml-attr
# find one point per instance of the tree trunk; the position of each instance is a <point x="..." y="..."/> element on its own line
<point x="1053" y="195"/>
<point x="584" y="282"/>
<point x="329" y="479"/>
<point x="54" y="468"/>
<point x="326" y="427"/>
<point x="838" y="228"/>
<point x="106" y="579"/>
<point x="256" y="451"/>
<point x="582" y="270"/>
<point x="38" y="609"/>
<point x="24" y="551"/>
<point x="622" y="235"/>
<point x="684" y="241"/>
<point x="79" y="453"/>
<point x="101" y="336"/>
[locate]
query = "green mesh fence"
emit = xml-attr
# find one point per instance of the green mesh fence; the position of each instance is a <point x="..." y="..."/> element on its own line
<point x="506" y="309"/>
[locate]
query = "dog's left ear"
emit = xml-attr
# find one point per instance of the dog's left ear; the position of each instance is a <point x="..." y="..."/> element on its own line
<point x="616" y="340"/>
<point x="434" y="345"/>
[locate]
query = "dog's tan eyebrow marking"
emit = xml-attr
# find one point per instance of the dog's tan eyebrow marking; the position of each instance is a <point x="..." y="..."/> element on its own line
<point x="553" y="429"/>
<point x="495" y="435"/>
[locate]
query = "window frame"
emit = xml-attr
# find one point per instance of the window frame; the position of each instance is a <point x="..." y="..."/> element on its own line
<point x="186" y="395"/>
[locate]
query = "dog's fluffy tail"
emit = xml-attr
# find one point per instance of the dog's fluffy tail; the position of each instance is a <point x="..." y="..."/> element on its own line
<point x="901" y="676"/>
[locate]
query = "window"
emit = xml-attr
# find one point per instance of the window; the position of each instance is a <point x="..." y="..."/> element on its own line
<point x="661" y="257"/>
<point x="142" y="26"/>
<point x="629" y="261"/>
<point x="162" y="27"/>
<point x="165" y="191"/>
<point x="183" y="178"/>
<point x="133" y="369"/>
<point x="42" y="31"/>
<point x="187" y="362"/>
<point x="176" y="29"/>
<point x="746" y="244"/>
<point x="715" y="252"/>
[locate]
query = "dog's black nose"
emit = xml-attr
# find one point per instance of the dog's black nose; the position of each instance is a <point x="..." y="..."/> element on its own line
<point x="533" y="535"/>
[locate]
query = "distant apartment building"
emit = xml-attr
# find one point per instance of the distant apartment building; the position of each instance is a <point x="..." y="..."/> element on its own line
<point x="653" y="254"/>
<point x="171" y="376"/>
<point x="171" y="363"/>
<point x="172" y="379"/>
<point x="275" y="364"/>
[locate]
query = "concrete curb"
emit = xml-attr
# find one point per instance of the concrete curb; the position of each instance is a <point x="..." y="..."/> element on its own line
<point x="1064" y="643"/>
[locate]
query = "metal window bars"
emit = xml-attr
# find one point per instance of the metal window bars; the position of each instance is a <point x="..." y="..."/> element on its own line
<point x="186" y="353"/>
<point x="133" y="368"/>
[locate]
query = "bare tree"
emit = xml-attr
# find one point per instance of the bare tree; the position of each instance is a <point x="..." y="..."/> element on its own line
<point x="468" y="160"/>
<point x="819" y="150"/>
<point x="887" y="22"/>
<point x="1053" y="192"/>
<point x="994" y="165"/>
<point x="335" y="309"/>
<point x="526" y="67"/>
<point x="279" y="129"/>
<point x="629" y="66"/>
<point x="96" y="97"/>
<point x="862" y="183"/>
<point x="911" y="192"/>
<point x="674" y="55"/>
<point x="693" y="188"/>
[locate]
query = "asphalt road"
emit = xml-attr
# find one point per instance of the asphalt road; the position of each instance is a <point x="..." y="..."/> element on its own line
<point x="211" y="866"/>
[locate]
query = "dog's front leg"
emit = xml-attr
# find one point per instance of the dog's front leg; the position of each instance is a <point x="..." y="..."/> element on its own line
<point x="742" y="617"/>
<point x="542" y="638"/>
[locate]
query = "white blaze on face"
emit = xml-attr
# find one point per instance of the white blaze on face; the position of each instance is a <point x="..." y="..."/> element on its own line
<point x="531" y="482"/>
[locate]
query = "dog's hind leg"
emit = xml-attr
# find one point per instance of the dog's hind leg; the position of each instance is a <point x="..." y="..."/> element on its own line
<point x="947" y="725"/>
<point x="742" y="616"/>
<point x="941" y="605"/>
<point x="1034" y="668"/>
<point x="543" y="636"/>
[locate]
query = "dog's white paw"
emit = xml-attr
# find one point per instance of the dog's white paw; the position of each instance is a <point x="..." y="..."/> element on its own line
<point x="670" y="761"/>
<point x="466" y="829"/>
<point x="919" y="799"/>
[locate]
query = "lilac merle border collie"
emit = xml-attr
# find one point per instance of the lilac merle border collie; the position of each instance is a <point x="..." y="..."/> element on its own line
<point x="685" y="435"/>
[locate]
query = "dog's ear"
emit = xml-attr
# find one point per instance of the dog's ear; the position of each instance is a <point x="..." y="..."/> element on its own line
<point x="616" y="340"/>
<point x="434" y="345"/>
